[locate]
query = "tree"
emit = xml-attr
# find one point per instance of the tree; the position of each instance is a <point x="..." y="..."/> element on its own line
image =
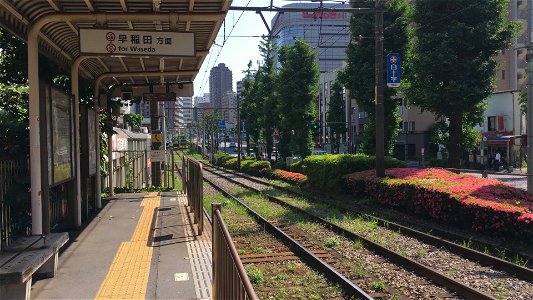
<point x="358" y="76"/>
<point x="451" y="60"/>
<point x="297" y="89"/>
<point x="249" y="110"/>
<point x="267" y="101"/>
<point x="336" y="118"/>
<point x="133" y="120"/>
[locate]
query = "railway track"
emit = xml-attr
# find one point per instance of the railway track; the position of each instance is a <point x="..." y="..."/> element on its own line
<point x="439" y="238"/>
<point x="419" y="266"/>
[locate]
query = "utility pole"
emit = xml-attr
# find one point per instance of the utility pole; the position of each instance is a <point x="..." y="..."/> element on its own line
<point x="530" y="102"/>
<point x="239" y="146"/>
<point x="154" y="123"/>
<point x="380" y="115"/>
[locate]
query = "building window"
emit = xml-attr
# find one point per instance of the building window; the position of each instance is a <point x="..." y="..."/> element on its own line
<point x="491" y="123"/>
<point x="408" y="126"/>
<point x="503" y="74"/>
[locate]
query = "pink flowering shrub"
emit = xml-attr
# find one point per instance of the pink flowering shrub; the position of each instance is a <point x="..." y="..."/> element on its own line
<point x="479" y="203"/>
<point x="290" y="177"/>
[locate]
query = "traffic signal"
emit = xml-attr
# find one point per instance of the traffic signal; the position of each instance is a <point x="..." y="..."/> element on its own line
<point x="315" y="126"/>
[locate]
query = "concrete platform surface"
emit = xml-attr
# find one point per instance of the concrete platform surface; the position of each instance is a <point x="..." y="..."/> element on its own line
<point x="140" y="246"/>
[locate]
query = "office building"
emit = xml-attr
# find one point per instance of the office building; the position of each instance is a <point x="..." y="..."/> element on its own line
<point x="327" y="32"/>
<point x="220" y="82"/>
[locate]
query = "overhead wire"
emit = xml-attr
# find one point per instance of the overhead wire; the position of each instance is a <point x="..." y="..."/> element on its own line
<point x="204" y="82"/>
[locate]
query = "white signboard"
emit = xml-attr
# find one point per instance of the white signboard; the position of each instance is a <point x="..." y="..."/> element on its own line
<point x="157" y="155"/>
<point x="135" y="42"/>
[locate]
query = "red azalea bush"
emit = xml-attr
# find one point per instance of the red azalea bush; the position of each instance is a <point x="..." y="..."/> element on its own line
<point x="465" y="200"/>
<point x="290" y="177"/>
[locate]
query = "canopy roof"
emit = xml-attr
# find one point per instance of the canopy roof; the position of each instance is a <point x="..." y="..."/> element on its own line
<point x="59" y="37"/>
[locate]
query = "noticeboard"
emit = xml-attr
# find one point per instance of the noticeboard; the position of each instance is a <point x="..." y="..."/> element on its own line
<point x="60" y="135"/>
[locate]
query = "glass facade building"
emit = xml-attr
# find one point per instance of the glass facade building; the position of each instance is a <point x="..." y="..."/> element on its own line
<point x="327" y="32"/>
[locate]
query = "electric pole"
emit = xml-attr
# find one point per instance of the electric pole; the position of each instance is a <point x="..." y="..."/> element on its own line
<point x="530" y="102"/>
<point x="380" y="116"/>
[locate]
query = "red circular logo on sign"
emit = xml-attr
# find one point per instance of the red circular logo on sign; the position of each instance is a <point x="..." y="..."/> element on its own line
<point x="110" y="48"/>
<point x="110" y="36"/>
<point x="393" y="59"/>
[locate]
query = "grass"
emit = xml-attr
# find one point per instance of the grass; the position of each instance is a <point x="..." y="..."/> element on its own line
<point x="332" y="242"/>
<point x="256" y="275"/>
<point x="378" y="285"/>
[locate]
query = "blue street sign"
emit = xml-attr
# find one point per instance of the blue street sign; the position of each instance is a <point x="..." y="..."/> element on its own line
<point x="393" y="70"/>
<point x="222" y="124"/>
<point x="243" y="127"/>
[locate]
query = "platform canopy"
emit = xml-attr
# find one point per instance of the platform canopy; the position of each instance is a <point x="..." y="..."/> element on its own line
<point x="62" y="20"/>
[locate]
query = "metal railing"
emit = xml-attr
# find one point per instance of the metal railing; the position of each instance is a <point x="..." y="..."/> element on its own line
<point x="130" y="169"/>
<point x="194" y="181"/>
<point x="14" y="215"/>
<point x="230" y="280"/>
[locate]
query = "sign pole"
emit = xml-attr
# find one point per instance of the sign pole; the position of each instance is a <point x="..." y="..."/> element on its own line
<point x="239" y="146"/>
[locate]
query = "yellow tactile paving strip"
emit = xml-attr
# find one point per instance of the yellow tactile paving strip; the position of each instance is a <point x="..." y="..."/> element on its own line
<point x="127" y="277"/>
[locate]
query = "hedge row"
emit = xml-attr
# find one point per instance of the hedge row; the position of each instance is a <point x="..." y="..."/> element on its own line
<point x="467" y="201"/>
<point x="326" y="171"/>
<point x="250" y="166"/>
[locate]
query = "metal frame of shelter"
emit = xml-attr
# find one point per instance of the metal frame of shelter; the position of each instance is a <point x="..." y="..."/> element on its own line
<point x="51" y="27"/>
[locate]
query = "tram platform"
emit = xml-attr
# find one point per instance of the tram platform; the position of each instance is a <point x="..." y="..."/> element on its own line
<point x="140" y="246"/>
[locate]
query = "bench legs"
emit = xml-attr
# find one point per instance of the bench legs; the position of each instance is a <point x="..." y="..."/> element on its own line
<point x="49" y="268"/>
<point x="16" y="290"/>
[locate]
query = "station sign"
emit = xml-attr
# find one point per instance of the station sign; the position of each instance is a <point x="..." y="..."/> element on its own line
<point x="393" y="70"/>
<point x="149" y="97"/>
<point x="135" y="42"/>
<point x="157" y="155"/>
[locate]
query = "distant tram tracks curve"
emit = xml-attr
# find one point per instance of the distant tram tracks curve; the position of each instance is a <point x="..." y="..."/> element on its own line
<point x="472" y="284"/>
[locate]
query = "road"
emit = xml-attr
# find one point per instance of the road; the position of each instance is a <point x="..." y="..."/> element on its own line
<point x="516" y="181"/>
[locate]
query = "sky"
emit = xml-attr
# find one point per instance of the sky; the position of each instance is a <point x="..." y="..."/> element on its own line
<point x="237" y="50"/>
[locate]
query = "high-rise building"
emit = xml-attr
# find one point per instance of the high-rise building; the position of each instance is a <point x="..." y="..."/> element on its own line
<point x="511" y="73"/>
<point x="229" y="113"/>
<point x="201" y="103"/>
<point x="184" y="112"/>
<point x="327" y="32"/>
<point x="220" y="82"/>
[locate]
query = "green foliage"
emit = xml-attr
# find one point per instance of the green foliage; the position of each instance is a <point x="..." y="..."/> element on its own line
<point x="133" y="120"/>
<point x="14" y="140"/>
<point x="336" y="116"/>
<point x="250" y="166"/>
<point x="265" y="78"/>
<point x="297" y="89"/>
<point x="359" y="77"/>
<point x="326" y="171"/>
<point x="464" y="39"/>
<point x="250" y="107"/>
<point x="256" y="275"/>
<point x="332" y="242"/>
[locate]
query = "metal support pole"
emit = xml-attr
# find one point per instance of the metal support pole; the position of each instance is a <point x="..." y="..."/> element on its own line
<point x="98" y="176"/>
<point x="380" y="128"/>
<point x="110" y="157"/>
<point x="154" y="120"/>
<point x="74" y="83"/>
<point x="35" y="143"/>
<point x="165" y="165"/>
<point x="529" y="128"/>
<point x="239" y="146"/>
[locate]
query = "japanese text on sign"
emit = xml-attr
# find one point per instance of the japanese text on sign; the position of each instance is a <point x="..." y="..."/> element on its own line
<point x="393" y="70"/>
<point x="120" y="42"/>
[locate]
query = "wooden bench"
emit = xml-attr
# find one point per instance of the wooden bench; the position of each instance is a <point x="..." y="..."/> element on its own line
<point x="25" y="257"/>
